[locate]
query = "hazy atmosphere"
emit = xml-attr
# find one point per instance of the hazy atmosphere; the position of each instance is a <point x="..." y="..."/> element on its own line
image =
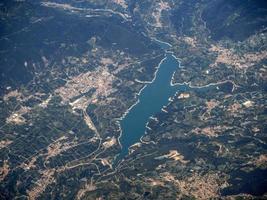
<point x="133" y="99"/>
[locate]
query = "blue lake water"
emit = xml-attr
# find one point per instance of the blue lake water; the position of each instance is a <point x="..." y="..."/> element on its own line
<point x="151" y="100"/>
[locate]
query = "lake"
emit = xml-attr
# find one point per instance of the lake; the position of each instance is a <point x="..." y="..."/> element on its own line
<point x="152" y="98"/>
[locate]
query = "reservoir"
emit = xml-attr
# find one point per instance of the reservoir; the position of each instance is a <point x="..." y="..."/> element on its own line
<point x="154" y="96"/>
<point x="151" y="100"/>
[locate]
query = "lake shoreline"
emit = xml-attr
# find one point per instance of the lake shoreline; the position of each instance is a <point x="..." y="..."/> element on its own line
<point x="187" y="86"/>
